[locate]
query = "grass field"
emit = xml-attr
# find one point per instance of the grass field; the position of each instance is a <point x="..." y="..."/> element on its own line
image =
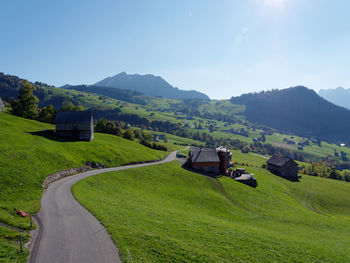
<point x="159" y="109"/>
<point x="29" y="155"/>
<point x="166" y="214"/>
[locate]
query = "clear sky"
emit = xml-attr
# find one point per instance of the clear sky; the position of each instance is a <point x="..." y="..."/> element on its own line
<point x="220" y="47"/>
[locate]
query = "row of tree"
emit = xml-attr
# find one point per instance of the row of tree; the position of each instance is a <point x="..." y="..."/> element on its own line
<point x="323" y="169"/>
<point x="122" y="129"/>
<point x="26" y="106"/>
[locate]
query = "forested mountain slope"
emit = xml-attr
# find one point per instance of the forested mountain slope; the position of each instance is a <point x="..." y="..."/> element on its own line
<point x="298" y="110"/>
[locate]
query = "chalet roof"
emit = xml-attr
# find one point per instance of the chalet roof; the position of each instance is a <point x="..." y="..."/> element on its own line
<point x="204" y="155"/>
<point x="1" y="103"/>
<point x="73" y="116"/>
<point x="279" y="161"/>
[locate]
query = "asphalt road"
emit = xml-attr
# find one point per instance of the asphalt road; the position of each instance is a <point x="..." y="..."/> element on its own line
<point x="67" y="232"/>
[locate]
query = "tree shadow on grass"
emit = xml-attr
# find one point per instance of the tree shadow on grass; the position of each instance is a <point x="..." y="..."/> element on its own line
<point x="51" y="135"/>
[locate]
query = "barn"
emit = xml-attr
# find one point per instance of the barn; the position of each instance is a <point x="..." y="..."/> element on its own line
<point x="283" y="166"/>
<point x="205" y="160"/>
<point x="77" y="125"/>
<point x="210" y="160"/>
<point x="2" y="105"/>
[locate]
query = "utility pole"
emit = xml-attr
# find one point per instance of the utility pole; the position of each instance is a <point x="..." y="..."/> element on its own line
<point x="21" y="243"/>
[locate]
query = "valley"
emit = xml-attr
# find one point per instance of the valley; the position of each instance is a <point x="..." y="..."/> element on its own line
<point x="33" y="147"/>
<point x="175" y="131"/>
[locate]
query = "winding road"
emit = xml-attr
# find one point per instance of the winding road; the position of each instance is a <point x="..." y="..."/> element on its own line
<point x="67" y="232"/>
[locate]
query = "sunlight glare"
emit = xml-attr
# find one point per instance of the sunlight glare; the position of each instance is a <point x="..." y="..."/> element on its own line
<point x="274" y="3"/>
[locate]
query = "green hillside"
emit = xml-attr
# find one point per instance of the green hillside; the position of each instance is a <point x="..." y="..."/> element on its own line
<point x="29" y="155"/>
<point x="166" y="214"/>
<point x="218" y="118"/>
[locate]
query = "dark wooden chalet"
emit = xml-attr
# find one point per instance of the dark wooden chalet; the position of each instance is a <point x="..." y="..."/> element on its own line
<point x="2" y="105"/>
<point x="282" y="166"/>
<point x="205" y="160"/>
<point x="77" y="125"/>
<point x="210" y="160"/>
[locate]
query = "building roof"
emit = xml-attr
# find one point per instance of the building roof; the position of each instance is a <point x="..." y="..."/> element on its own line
<point x="1" y="103"/>
<point x="279" y="161"/>
<point x="73" y="116"/>
<point x="204" y="155"/>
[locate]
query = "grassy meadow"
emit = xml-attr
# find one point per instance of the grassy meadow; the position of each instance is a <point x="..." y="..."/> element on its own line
<point x="164" y="213"/>
<point x="161" y="109"/>
<point x="28" y="155"/>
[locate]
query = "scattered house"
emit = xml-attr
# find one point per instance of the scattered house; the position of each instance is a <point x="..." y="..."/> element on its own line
<point x="155" y="138"/>
<point x="241" y="132"/>
<point x="210" y="160"/>
<point x="158" y="137"/>
<point x="283" y="166"/>
<point x="300" y="148"/>
<point x="313" y="139"/>
<point x="77" y="125"/>
<point x="304" y="144"/>
<point x="205" y="159"/>
<point x="289" y="141"/>
<point x="2" y="105"/>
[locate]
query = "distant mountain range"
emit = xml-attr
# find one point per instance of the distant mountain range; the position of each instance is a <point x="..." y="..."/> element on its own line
<point x="298" y="110"/>
<point x="339" y="96"/>
<point x="149" y="85"/>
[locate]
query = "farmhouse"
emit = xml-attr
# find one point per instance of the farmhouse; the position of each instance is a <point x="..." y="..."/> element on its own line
<point x="283" y="166"/>
<point x="2" y="105"/>
<point x="210" y="160"/>
<point x="77" y="125"/>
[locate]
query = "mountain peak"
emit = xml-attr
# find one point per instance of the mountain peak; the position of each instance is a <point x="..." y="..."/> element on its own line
<point x="149" y="84"/>
<point x="339" y="96"/>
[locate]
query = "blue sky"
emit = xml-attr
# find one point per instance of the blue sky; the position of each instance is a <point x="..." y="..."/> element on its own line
<point x="220" y="47"/>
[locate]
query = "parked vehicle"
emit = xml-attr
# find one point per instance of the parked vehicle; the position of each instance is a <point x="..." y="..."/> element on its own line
<point x="180" y="155"/>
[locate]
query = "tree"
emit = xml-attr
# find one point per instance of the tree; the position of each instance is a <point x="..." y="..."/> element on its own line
<point x="129" y="134"/>
<point x="347" y="177"/>
<point x="26" y="105"/>
<point x="69" y="106"/>
<point x="101" y="125"/>
<point x="108" y="127"/>
<point x="47" y="114"/>
<point x="333" y="174"/>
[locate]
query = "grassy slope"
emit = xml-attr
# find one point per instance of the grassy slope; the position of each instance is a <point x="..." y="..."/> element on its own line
<point x="27" y="158"/>
<point x="153" y="112"/>
<point x="166" y="214"/>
